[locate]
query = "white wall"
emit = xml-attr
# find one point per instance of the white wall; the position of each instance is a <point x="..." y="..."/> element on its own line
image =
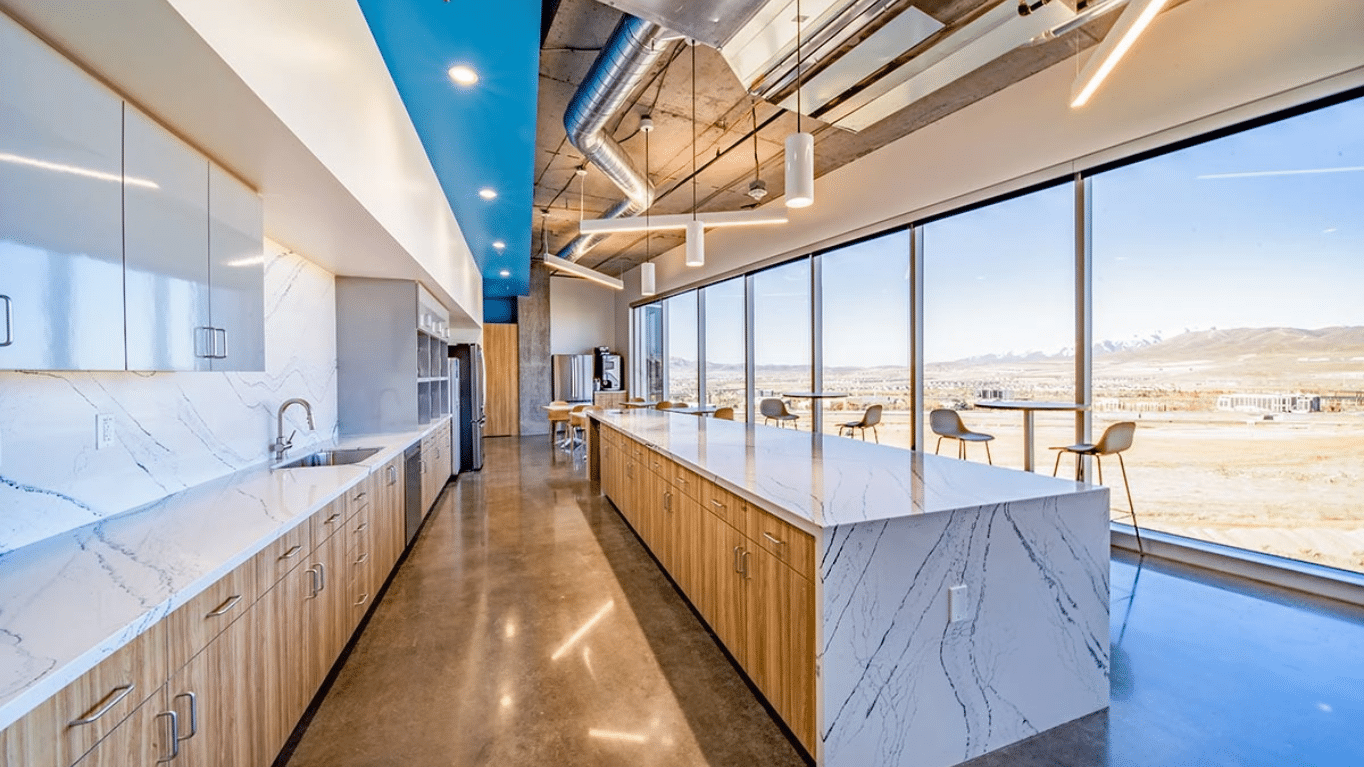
<point x="1225" y="58"/>
<point x="581" y="316"/>
<point x="174" y="430"/>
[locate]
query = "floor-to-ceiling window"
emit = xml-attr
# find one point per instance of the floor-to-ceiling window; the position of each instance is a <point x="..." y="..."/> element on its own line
<point x="781" y="335"/>
<point x="866" y="334"/>
<point x="999" y="319"/>
<point x="649" y="373"/>
<point x="726" y="339"/>
<point x="683" y="382"/>
<point x="1229" y="322"/>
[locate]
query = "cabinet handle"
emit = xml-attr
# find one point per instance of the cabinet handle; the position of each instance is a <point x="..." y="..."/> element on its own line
<point x="717" y="504"/>
<point x="9" y="321"/>
<point x="227" y="604"/>
<point x="363" y="599"/>
<point x="777" y="541"/>
<point x="221" y="350"/>
<point x="363" y="526"/>
<point x="744" y="560"/>
<point x="321" y="577"/>
<point x="203" y="342"/>
<point x="667" y="501"/>
<point x="393" y="475"/>
<point x="363" y="558"/>
<point x="101" y="708"/>
<point x="291" y="552"/>
<point x="360" y="495"/>
<point x="331" y="519"/>
<point x="193" y="715"/>
<point x="313" y="588"/>
<point x="736" y="560"/>
<point x="174" y="739"/>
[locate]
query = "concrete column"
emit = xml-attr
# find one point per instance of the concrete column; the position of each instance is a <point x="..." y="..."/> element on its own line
<point x="532" y="317"/>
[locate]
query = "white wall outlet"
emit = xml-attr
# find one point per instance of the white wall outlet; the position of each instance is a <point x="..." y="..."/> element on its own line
<point x="104" y="431"/>
<point x="957" y="603"/>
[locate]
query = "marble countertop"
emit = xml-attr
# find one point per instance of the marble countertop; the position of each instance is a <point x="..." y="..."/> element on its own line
<point x="818" y="481"/>
<point x="70" y="601"/>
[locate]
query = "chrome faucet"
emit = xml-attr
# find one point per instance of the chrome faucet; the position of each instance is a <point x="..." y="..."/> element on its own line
<point x="282" y="445"/>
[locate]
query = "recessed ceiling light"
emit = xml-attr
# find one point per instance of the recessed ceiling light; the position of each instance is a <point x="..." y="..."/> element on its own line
<point x="499" y="244"/>
<point x="505" y="272"/>
<point x="463" y="75"/>
<point x="487" y="193"/>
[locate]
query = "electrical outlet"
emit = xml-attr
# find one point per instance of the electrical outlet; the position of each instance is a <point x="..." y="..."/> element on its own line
<point x="104" y="431"/>
<point x="956" y="603"/>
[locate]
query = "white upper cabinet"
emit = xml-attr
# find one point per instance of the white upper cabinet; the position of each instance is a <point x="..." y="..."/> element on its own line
<point x="236" y="249"/>
<point x="61" y="211"/>
<point x="166" y="226"/>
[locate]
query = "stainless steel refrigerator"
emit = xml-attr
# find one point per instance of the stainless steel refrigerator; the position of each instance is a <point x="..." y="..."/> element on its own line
<point x="470" y="417"/>
<point x="572" y="377"/>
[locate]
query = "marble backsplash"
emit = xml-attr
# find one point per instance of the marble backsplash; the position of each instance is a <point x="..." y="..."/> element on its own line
<point x="172" y="430"/>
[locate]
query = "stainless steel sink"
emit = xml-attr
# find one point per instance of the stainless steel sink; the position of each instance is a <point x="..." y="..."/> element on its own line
<point x="331" y="458"/>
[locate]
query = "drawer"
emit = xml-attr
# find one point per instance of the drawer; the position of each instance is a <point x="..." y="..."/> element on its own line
<point x="197" y="622"/>
<point x="279" y="558"/>
<point x="786" y="542"/>
<point x="725" y="505"/>
<point x="359" y="531"/>
<point x="328" y="520"/>
<point x="658" y="464"/>
<point x="361" y="495"/>
<point x="101" y="698"/>
<point x="688" y="481"/>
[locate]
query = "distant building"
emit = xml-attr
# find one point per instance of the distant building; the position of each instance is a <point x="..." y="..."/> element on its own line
<point x="993" y="393"/>
<point x="1270" y="403"/>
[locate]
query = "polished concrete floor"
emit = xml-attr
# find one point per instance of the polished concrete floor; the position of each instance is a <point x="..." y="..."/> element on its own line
<point x="528" y="626"/>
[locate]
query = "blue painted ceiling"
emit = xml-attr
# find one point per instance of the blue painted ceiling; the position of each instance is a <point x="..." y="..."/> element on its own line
<point x="480" y="136"/>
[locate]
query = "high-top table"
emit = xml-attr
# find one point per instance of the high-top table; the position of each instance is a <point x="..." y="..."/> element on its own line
<point x="816" y="404"/>
<point x="1028" y="407"/>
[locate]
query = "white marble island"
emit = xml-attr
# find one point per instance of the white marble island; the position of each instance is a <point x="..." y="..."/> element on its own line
<point x="897" y="681"/>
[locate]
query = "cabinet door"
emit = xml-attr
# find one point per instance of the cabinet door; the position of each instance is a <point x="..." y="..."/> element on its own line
<point x="61" y="212"/>
<point x="284" y="641"/>
<point x="146" y="737"/>
<point x="723" y="585"/>
<point x="236" y="249"/>
<point x="780" y="625"/>
<point x="165" y="218"/>
<point x="215" y="699"/>
<point x="688" y="548"/>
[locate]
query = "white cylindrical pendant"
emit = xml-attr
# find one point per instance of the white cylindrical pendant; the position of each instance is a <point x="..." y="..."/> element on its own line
<point x="696" y="243"/>
<point x="800" y="170"/>
<point x="647" y="287"/>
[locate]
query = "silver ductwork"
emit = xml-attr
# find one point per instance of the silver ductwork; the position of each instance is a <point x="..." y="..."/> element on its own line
<point x="625" y="59"/>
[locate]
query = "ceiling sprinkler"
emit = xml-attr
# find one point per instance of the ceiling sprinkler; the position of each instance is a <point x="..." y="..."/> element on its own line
<point x="757" y="189"/>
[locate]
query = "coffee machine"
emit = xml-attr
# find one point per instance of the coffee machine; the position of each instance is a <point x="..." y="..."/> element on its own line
<point x="610" y="371"/>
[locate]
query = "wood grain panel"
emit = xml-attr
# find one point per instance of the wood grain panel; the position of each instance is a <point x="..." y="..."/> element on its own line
<point x="780" y="640"/>
<point x="788" y="543"/>
<point x="503" y="380"/>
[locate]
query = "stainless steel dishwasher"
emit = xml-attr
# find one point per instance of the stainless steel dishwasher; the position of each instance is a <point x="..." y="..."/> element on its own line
<point x="412" y="490"/>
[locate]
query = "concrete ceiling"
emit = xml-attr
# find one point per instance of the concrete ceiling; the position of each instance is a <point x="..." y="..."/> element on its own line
<point x="725" y="126"/>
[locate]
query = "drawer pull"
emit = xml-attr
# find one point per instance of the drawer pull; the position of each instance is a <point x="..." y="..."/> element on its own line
<point x="292" y="551"/>
<point x="777" y="541"/>
<point x="363" y="558"/>
<point x="363" y="526"/>
<point x="363" y="598"/>
<point x="227" y="604"/>
<point x="193" y="716"/>
<point x="100" y="709"/>
<point x="360" y="495"/>
<point x="174" y="739"/>
<point x="717" y="504"/>
<point x="331" y="519"/>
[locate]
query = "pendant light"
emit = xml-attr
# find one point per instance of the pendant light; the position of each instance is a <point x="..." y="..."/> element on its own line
<point x="696" y="231"/>
<point x="648" y="284"/>
<point x="800" y="146"/>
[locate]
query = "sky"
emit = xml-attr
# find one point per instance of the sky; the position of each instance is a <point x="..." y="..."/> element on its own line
<point x="1259" y="229"/>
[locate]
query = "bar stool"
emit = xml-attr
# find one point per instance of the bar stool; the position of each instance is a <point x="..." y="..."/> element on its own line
<point x="773" y="409"/>
<point x="1115" y="440"/>
<point x="947" y="425"/>
<point x="557" y="419"/>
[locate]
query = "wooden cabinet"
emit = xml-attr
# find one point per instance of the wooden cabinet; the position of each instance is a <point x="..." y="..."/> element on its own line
<point x="215" y="698"/>
<point x="502" y="363"/>
<point x="749" y="573"/>
<point x="146" y="737"/>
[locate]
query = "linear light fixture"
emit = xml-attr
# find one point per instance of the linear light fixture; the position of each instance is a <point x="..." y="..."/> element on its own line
<point x="578" y="270"/>
<point x="711" y="219"/>
<point x="1135" y="18"/>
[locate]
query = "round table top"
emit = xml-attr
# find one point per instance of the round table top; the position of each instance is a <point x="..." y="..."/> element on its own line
<point x="640" y="404"/>
<point x="698" y="410"/>
<point x="1024" y="404"/>
<point x="814" y="394"/>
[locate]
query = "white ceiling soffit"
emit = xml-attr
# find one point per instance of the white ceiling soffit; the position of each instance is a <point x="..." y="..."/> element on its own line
<point x="713" y="22"/>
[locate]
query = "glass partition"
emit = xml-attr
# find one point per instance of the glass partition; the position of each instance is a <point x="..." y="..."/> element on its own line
<point x="1230" y="327"/>
<point x="683" y="377"/>
<point x="725" y="346"/>
<point x="865" y="295"/>
<point x="781" y="336"/>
